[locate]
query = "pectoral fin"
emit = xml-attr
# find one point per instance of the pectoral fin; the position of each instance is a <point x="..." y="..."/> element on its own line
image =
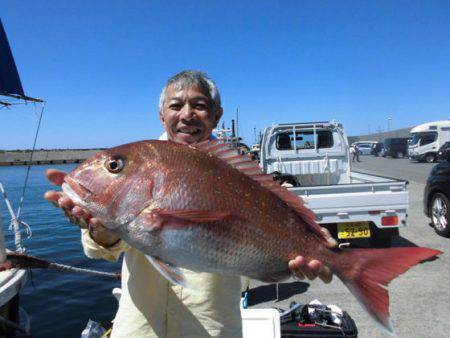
<point x="193" y="215"/>
<point x="155" y="219"/>
<point x="172" y="273"/>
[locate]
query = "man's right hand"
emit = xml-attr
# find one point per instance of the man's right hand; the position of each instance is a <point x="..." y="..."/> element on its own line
<point x="75" y="214"/>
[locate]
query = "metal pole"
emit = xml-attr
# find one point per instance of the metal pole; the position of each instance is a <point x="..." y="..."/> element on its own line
<point x="2" y="241"/>
<point x="315" y="138"/>
<point x="237" y="126"/>
<point x="295" y="138"/>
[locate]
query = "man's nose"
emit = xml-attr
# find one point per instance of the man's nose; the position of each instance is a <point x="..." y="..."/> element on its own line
<point x="187" y="112"/>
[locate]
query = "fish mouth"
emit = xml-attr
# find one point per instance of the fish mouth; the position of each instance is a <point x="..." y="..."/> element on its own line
<point x="75" y="191"/>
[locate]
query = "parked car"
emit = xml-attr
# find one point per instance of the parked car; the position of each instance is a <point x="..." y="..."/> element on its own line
<point x="396" y="147"/>
<point x="440" y="154"/>
<point x="378" y="149"/>
<point x="365" y="148"/>
<point x="436" y="199"/>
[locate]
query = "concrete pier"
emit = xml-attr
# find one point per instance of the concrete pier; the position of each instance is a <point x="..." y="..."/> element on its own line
<point x="22" y="157"/>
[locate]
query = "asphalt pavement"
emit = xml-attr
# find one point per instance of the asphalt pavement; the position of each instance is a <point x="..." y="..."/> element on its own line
<point x="419" y="298"/>
<point x="401" y="168"/>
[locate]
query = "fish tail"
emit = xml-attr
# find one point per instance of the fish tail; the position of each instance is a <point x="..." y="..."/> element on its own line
<point x="367" y="272"/>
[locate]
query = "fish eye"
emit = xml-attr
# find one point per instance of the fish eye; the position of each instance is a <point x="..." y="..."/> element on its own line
<point x="114" y="164"/>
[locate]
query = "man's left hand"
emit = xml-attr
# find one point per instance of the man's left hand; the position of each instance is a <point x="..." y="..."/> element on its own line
<point x="311" y="270"/>
<point x="300" y="268"/>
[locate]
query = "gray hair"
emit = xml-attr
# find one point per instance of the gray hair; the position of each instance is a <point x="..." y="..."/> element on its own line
<point x="188" y="78"/>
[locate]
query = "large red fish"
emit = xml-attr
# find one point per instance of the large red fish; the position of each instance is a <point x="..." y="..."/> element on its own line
<point x="207" y="208"/>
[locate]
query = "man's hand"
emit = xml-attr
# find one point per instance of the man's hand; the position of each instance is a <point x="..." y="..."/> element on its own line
<point x="314" y="268"/>
<point x="75" y="214"/>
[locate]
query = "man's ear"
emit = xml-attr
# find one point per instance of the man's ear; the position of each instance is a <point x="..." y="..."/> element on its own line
<point x="161" y="117"/>
<point x="218" y="116"/>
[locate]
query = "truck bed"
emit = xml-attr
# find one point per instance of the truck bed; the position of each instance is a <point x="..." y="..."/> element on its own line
<point x="367" y="197"/>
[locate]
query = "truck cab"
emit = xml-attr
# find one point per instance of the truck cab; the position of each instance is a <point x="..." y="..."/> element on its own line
<point x="316" y="153"/>
<point x="426" y="140"/>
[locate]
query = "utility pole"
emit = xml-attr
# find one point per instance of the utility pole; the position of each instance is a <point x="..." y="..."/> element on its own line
<point x="379" y="132"/>
<point x="237" y="126"/>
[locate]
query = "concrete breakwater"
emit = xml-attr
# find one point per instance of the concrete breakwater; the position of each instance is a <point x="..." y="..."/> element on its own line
<point x="22" y="157"/>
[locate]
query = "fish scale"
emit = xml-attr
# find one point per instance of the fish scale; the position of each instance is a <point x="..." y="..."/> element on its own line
<point x="206" y="208"/>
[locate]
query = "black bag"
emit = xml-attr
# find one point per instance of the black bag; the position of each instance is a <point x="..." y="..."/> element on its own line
<point x="297" y="322"/>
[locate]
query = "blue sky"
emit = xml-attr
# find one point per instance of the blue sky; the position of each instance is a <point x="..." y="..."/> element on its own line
<point x="101" y="65"/>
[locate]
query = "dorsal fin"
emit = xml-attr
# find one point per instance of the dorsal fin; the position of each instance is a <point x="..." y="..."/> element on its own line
<point x="249" y="167"/>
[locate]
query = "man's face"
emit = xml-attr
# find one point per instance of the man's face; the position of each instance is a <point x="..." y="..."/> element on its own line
<point x="187" y="115"/>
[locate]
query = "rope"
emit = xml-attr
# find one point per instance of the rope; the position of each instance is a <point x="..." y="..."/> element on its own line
<point x="15" y="223"/>
<point x="19" y="209"/>
<point x="15" y="218"/>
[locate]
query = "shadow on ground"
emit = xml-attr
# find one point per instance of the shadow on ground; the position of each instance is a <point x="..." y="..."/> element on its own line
<point x="268" y="292"/>
<point x="400" y="241"/>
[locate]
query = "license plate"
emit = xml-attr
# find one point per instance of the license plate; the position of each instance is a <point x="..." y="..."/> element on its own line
<point x="353" y="230"/>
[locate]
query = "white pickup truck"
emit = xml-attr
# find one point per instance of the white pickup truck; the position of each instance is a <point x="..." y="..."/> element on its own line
<point x="359" y="209"/>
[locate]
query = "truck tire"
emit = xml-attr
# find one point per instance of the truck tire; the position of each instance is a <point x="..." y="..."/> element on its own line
<point x="440" y="214"/>
<point x="383" y="238"/>
<point x="429" y="158"/>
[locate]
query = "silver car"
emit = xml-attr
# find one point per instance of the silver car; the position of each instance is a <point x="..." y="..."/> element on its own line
<point x="364" y="148"/>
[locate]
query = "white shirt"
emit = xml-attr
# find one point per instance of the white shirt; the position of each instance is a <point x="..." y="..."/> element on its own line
<point x="152" y="307"/>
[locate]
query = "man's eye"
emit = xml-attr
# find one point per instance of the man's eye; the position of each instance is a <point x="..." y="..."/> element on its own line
<point x="200" y="106"/>
<point x="175" y="106"/>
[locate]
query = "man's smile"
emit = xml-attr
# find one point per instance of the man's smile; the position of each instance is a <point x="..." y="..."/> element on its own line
<point x="189" y="130"/>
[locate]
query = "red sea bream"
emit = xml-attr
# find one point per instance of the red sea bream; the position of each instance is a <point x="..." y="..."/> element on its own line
<point x="206" y="208"/>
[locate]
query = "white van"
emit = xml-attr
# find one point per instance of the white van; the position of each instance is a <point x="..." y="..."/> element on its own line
<point x="426" y="140"/>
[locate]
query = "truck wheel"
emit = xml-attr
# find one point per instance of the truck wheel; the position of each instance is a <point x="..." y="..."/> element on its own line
<point x="429" y="158"/>
<point x="440" y="214"/>
<point x="383" y="238"/>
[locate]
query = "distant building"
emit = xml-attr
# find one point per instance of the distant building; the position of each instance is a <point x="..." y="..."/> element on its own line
<point x="404" y="132"/>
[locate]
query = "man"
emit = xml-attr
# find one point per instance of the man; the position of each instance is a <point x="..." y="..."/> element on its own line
<point x="189" y="109"/>
<point x="352" y="152"/>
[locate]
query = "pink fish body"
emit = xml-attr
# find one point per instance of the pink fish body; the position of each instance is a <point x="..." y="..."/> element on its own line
<point x="207" y="208"/>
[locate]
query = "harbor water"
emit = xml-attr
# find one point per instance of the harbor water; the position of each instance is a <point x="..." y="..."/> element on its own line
<point x="58" y="304"/>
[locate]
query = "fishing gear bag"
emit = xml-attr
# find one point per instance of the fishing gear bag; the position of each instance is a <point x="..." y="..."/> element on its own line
<point x="316" y="320"/>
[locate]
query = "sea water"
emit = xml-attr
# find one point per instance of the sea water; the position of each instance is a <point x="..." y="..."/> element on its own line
<point x="58" y="304"/>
